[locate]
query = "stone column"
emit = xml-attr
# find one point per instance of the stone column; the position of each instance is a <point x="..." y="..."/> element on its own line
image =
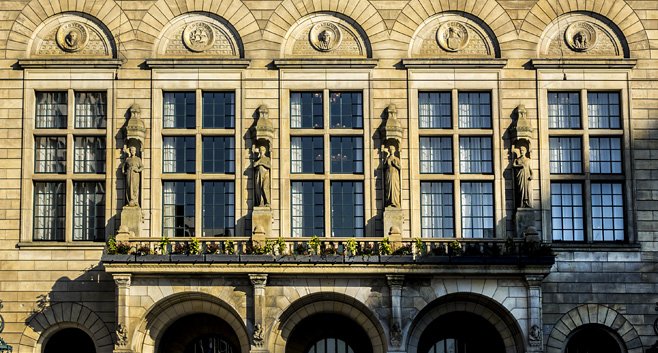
<point x="395" y="329"/>
<point x="535" y="328"/>
<point x="122" y="330"/>
<point x="258" y="340"/>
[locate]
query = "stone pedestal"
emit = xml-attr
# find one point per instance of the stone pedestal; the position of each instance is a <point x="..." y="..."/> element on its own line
<point x="524" y="220"/>
<point x="393" y="220"/>
<point x="261" y="223"/>
<point x="131" y="220"/>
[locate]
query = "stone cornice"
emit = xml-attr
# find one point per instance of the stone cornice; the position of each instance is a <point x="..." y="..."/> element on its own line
<point x="197" y="63"/>
<point x="584" y="63"/>
<point x="449" y="63"/>
<point x="311" y="63"/>
<point x="69" y="63"/>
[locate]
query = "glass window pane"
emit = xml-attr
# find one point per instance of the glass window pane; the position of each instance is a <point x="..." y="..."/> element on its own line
<point x="475" y="155"/>
<point x="51" y="110"/>
<point x="477" y="210"/>
<point x="178" y="209"/>
<point x="90" y="110"/>
<point x="607" y="212"/>
<point x="307" y="208"/>
<point x="603" y="110"/>
<point x="218" y="209"/>
<point x="474" y="110"/>
<point x="89" y="211"/>
<point x="219" y="154"/>
<point x="436" y="155"/>
<point x="89" y="154"/>
<point x="218" y="110"/>
<point x="605" y="155"/>
<point x="565" y="154"/>
<point x="567" y="212"/>
<point x="306" y="110"/>
<point x="436" y="210"/>
<point x="178" y="154"/>
<point x="347" y="209"/>
<point x="346" y="110"/>
<point x="49" y="210"/>
<point x="434" y="110"/>
<point x="179" y="110"/>
<point x="50" y="154"/>
<point x="564" y="110"/>
<point x="306" y="155"/>
<point x="346" y="155"/>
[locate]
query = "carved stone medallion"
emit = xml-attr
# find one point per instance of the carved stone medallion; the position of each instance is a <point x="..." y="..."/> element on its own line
<point x="452" y="36"/>
<point x="580" y="36"/>
<point x="72" y="36"/>
<point x="198" y="37"/>
<point x="325" y="36"/>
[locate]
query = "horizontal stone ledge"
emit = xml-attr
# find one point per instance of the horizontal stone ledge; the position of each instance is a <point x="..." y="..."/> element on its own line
<point x="197" y="63"/>
<point x="585" y="63"/>
<point x="454" y="63"/>
<point x="69" y="63"/>
<point x="312" y="63"/>
<point x="55" y="245"/>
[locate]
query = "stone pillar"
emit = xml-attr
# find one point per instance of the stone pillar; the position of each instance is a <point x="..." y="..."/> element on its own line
<point x="122" y="330"/>
<point x="395" y="329"/>
<point x="258" y="340"/>
<point x="535" y="328"/>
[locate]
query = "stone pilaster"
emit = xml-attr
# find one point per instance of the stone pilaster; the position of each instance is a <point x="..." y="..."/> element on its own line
<point x="395" y="330"/>
<point x="535" y="328"/>
<point x="258" y="340"/>
<point x="122" y="330"/>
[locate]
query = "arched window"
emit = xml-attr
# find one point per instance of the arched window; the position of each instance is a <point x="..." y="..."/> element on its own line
<point x="448" y="345"/>
<point x="593" y="338"/>
<point x="330" y="345"/>
<point x="70" y="340"/>
<point x="209" y="344"/>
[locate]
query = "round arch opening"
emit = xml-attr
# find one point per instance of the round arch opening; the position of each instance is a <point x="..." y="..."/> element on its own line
<point x="328" y="333"/>
<point x="460" y="332"/>
<point x="198" y="333"/>
<point x="593" y="338"/>
<point x="70" y="340"/>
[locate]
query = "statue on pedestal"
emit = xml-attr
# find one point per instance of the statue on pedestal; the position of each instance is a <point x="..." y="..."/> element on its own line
<point x="262" y="166"/>
<point x="392" y="169"/>
<point x="522" y="177"/>
<point x="132" y="168"/>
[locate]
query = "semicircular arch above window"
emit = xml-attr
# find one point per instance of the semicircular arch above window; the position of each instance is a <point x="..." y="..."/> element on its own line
<point x="198" y="35"/>
<point x="451" y="34"/>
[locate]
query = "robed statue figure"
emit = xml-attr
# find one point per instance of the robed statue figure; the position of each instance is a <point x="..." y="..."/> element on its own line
<point x="522" y="176"/>
<point x="132" y="168"/>
<point x="391" y="178"/>
<point x="262" y="167"/>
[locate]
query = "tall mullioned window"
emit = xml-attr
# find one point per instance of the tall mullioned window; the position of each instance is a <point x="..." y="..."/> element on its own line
<point x="456" y="164"/>
<point x="586" y="165"/>
<point x="69" y="166"/>
<point x="198" y="163"/>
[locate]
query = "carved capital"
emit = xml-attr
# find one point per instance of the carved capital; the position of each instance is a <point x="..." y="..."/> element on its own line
<point x="534" y="280"/>
<point x="122" y="280"/>
<point x="395" y="281"/>
<point x="258" y="280"/>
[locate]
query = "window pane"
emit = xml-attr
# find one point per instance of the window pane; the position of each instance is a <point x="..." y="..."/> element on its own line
<point x="477" y="210"/>
<point x="565" y="154"/>
<point x="89" y="155"/>
<point x="346" y="110"/>
<point x="50" y="154"/>
<point x="436" y="210"/>
<point x="306" y="155"/>
<point x="567" y="212"/>
<point x="434" y="110"/>
<point x="89" y="211"/>
<point x="347" y="210"/>
<point x="49" y="210"/>
<point x="607" y="212"/>
<point x="563" y="110"/>
<point x="307" y="208"/>
<point x="603" y="110"/>
<point x="475" y="156"/>
<point x="178" y="154"/>
<point x="178" y="209"/>
<point x="475" y="110"/>
<point x="179" y="110"/>
<point x="218" y="208"/>
<point x="306" y="110"/>
<point x="51" y="111"/>
<point x="219" y="110"/>
<point x="605" y="155"/>
<point x="436" y="155"/>
<point x="219" y="154"/>
<point x="90" y="110"/>
<point x="346" y="155"/>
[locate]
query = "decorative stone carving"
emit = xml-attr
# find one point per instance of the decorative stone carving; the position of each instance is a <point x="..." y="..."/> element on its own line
<point x="198" y="36"/>
<point x="580" y="36"/>
<point x="452" y="36"/>
<point x="522" y="176"/>
<point x="325" y="36"/>
<point x="258" y="335"/>
<point x="396" y="335"/>
<point x="535" y="336"/>
<point x="136" y="128"/>
<point x="391" y="133"/>
<point x="122" y="336"/>
<point x="392" y="168"/>
<point x="263" y="131"/>
<point x="262" y="166"/>
<point x="4" y="347"/>
<point x="72" y="37"/>
<point x="132" y="168"/>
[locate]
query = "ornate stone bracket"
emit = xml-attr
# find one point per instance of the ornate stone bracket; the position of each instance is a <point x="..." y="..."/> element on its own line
<point x="395" y="283"/>
<point x="258" y="281"/>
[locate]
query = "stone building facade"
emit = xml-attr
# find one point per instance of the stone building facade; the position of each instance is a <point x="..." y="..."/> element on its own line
<point x="328" y="176"/>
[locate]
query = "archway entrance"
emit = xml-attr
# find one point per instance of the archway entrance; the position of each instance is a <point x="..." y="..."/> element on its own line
<point x="460" y="332"/>
<point x="199" y="333"/>
<point x="70" y="340"/>
<point x="592" y="338"/>
<point x="328" y="333"/>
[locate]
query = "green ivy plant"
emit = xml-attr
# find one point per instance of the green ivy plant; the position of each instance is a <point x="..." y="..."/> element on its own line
<point x="455" y="248"/>
<point x="164" y="245"/>
<point x="112" y="246"/>
<point x="385" y="247"/>
<point x="229" y="247"/>
<point x="314" y="243"/>
<point x="420" y="246"/>
<point x="281" y="246"/>
<point x="194" y="247"/>
<point x="351" y="246"/>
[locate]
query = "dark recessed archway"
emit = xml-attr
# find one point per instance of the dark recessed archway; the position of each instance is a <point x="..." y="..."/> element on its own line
<point x="593" y="338"/>
<point x="199" y="333"/>
<point x="70" y="340"/>
<point x="329" y="333"/>
<point x="460" y="332"/>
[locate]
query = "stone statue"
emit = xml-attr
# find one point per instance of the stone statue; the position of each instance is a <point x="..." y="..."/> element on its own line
<point x="262" y="167"/>
<point x="391" y="178"/>
<point x="522" y="177"/>
<point x="132" y="168"/>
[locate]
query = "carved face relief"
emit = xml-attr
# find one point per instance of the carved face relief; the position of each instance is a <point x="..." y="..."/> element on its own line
<point x="198" y="37"/>
<point x="580" y="36"/>
<point x="452" y="36"/>
<point x="325" y="36"/>
<point x="72" y="37"/>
